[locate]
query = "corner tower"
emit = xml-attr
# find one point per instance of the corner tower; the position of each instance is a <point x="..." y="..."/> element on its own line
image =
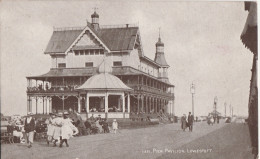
<point x="160" y="59"/>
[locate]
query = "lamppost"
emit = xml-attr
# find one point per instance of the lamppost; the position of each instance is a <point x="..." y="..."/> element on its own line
<point x="225" y="104"/>
<point x="215" y="106"/>
<point x="192" y="91"/>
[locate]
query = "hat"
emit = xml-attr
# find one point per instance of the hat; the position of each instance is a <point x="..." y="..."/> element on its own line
<point x="30" y="113"/>
<point x="114" y="120"/>
<point x="66" y="113"/>
<point x="59" y="114"/>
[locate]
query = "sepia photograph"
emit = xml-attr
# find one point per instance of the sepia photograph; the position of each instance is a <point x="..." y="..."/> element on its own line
<point x="141" y="79"/>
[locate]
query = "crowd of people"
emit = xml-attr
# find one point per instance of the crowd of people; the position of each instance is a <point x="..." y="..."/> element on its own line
<point x="58" y="128"/>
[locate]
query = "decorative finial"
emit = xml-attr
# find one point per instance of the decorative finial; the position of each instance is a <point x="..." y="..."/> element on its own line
<point x="160" y="32"/>
<point x="95" y="9"/>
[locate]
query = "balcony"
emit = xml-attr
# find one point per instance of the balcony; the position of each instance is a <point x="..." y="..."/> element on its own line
<point x="58" y="90"/>
<point x="145" y="88"/>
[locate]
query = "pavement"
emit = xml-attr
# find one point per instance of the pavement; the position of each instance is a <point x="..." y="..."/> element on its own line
<point x="161" y="141"/>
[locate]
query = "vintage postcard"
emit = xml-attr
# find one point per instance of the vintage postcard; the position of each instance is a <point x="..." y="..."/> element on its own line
<point x="142" y="79"/>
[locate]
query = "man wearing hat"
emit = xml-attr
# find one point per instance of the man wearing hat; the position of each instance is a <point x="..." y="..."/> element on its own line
<point x="29" y="127"/>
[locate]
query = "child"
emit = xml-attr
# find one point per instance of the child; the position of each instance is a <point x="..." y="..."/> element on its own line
<point x="115" y="125"/>
<point x="67" y="129"/>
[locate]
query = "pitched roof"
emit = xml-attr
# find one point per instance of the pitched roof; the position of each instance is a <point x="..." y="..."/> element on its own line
<point x="61" y="40"/>
<point x="116" y="39"/>
<point x="104" y="81"/>
<point x="160" y="59"/>
<point x="68" y="72"/>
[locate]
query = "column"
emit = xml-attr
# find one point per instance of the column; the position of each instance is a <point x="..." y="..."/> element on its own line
<point x="142" y="107"/>
<point x="128" y="102"/>
<point x="50" y="105"/>
<point x="28" y="103"/>
<point x="79" y="104"/>
<point x="155" y="106"/>
<point x="123" y="102"/>
<point x="146" y="104"/>
<point x="138" y="105"/>
<point x="106" y="105"/>
<point x="149" y="106"/>
<point x="46" y="106"/>
<point x="42" y="105"/>
<point x="87" y="103"/>
<point x="36" y="103"/>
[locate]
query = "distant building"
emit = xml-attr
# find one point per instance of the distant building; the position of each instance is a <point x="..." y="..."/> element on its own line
<point x="79" y="53"/>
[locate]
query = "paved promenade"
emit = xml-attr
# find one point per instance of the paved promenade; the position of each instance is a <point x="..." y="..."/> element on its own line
<point x="153" y="142"/>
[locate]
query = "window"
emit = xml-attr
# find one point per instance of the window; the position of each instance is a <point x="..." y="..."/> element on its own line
<point x="101" y="52"/>
<point x="81" y="52"/>
<point x="89" y="64"/>
<point x="76" y="53"/>
<point x="117" y="63"/>
<point x="86" y="52"/>
<point x="61" y="65"/>
<point x="96" y="52"/>
<point x="91" y="52"/>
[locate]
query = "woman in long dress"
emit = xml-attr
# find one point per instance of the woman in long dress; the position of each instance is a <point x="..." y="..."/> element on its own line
<point x="57" y="122"/>
<point x="183" y="122"/>
<point x="98" y="126"/>
<point x="67" y="129"/>
<point x="50" y="128"/>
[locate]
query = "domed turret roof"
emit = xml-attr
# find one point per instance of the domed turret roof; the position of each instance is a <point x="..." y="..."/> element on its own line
<point x="104" y="81"/>
<point x="95" y="15"/>
<point x="159" y="43"/>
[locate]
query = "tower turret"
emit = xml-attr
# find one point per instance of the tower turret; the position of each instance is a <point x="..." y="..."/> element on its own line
<point x="95" y="20"/>
<point x="160" y="59"/>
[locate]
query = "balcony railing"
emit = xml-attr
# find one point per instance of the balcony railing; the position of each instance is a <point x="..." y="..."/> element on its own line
<point x="150" y="89"/>
<point x="51" y="90"/>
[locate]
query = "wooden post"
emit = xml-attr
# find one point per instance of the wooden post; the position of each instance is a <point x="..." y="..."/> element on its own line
<point x="28" y="103"/>
<point x="46" y="106"/>
<point x="142" y="108"/>
<point x="42" y="105"/>
<point x="79" y="104"/>
<point x="87" y="104"/>
<point x="128" y="103"/>
<point x="123" y="104"/>
<point x="36" y="101"/>
<point x="50" y="105"/>
<point x="138" y="104"/>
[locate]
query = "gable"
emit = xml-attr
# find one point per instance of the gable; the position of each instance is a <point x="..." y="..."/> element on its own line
<point x="87" y="39"/>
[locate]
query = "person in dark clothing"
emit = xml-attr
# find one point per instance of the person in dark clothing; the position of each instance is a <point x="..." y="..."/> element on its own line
<point x="105" y="126"/>
<point x="88" y="126"/>
<point x="29" y="127"/>
<point x="190" y="121"/>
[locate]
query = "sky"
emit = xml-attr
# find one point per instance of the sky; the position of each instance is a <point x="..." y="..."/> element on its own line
<point x="202" y="45"/>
